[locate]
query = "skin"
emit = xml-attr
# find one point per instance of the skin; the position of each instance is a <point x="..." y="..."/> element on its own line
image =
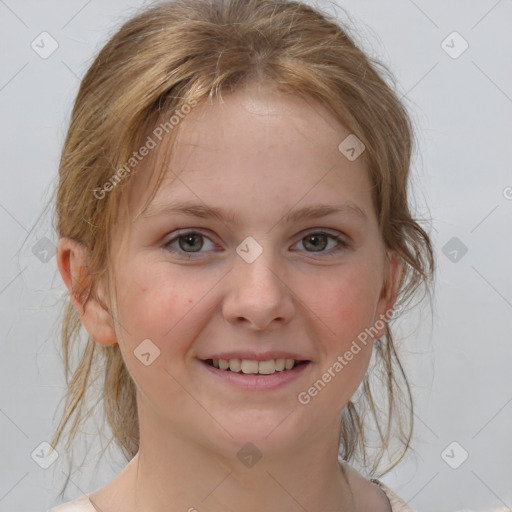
<point x="261" y="154"/>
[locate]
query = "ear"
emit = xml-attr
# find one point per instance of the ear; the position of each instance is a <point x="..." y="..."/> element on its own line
<point x="93" y="311"/>
<point x="393" y="273"/>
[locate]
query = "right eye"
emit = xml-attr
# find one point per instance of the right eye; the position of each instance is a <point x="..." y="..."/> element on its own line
<point x="186" y="240"/>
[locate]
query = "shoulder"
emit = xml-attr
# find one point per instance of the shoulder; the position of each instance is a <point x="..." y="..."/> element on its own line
<point x="373" y="494"/>
<point x="80" y="504"/>
<point x="397" y="504"/>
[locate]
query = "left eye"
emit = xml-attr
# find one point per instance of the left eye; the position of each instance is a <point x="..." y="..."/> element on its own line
<point x="317" y="240"/>
<point x="189" y="240"/>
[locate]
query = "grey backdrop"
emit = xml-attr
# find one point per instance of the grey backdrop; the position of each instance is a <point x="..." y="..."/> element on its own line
<point x="452" y="61"/>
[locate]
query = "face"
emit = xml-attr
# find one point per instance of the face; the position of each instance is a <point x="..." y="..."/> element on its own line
<point x="257" y="281"/>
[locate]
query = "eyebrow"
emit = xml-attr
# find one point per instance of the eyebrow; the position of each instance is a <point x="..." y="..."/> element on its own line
<point x="229" y="216"/>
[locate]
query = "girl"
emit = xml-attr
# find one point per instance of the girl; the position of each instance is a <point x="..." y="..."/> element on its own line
<point x="235" y="236"/>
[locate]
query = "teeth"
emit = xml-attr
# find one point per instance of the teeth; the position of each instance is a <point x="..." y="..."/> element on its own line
<point x="266" y="367"/>
<point x="280" y="364"/>
<point x="250" y="366"/>
<point x="288" y="364"/>
<point x="235" y="365"/>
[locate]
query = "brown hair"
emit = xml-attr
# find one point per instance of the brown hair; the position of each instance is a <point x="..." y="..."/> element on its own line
<point x="187" y="51"/>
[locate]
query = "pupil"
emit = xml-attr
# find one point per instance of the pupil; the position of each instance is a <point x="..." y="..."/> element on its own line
<point x="317" y="244"/>
<point x="188" y="239"/>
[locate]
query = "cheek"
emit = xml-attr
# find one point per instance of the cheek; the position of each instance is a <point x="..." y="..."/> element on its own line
<point x="345" y="307"/>
<point x="345" y="303"/>
<point x="151" y="300"/>
<point x="168" y="308"/>
<point x="149" y="308"/>
<point x="154" y="335"/>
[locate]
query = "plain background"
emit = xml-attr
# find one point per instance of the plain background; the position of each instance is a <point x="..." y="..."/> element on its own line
<point x="458" y="356"/>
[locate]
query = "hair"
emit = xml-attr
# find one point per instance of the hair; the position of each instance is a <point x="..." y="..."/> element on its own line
<point x="185" y="51"/>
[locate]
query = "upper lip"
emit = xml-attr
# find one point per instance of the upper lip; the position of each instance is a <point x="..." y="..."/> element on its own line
<point x="255" y="356"/>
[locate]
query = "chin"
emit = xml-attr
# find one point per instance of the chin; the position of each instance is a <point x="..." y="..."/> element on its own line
<point x="272" y="434"/>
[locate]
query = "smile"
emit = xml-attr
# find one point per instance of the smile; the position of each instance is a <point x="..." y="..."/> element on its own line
<point x="248" y="366"/>
<point x="247" y="374"/>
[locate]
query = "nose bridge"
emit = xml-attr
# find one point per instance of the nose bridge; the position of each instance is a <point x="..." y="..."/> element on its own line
<point x="257" y="292"/>
<point x="256" y="260"/>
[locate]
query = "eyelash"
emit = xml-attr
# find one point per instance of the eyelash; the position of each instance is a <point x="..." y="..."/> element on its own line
<point x="342" y="244"/>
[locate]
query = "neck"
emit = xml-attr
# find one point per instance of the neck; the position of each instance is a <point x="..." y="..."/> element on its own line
<point x="171" y="472"/>
<point x="293" y="487"/>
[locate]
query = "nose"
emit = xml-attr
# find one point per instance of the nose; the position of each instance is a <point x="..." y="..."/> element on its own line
<point x="258" y="293"/>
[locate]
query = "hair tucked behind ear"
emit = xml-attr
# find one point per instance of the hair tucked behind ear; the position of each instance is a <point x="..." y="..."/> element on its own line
<point x="194" y="50"/>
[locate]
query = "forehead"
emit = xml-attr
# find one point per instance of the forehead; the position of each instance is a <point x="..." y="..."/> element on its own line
<point x="259" y="123"/>
<point x="254" y="138"/>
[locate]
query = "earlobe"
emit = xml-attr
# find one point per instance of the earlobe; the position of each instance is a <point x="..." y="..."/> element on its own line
<point x="94" y="313"/>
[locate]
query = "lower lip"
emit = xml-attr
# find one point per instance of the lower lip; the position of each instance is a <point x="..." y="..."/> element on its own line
<point x="257" y="382"/>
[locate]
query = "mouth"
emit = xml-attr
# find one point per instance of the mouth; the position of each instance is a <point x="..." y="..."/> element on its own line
<point x="258" y="374"/>
<point x="250" y="366"/>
